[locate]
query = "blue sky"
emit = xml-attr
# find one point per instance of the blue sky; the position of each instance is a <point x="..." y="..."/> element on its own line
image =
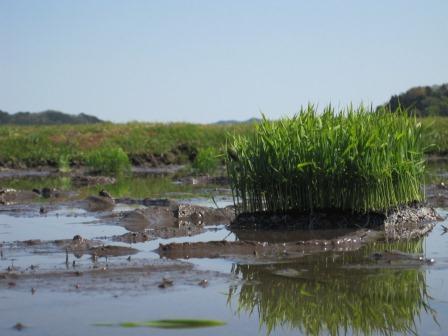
<point x="203" y="61"/>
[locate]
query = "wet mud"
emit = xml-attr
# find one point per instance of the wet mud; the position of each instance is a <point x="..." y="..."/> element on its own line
<point x="174" y="219"/>
<point x="128" y="278"/>
<point x="271" y="250"/>
<point x="255" y="237"/>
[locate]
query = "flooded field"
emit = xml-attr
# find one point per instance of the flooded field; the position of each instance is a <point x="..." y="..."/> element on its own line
<point x="68" y="270"/>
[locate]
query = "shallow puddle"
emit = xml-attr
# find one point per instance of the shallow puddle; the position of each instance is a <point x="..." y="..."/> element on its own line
<point x="150" y="186"/>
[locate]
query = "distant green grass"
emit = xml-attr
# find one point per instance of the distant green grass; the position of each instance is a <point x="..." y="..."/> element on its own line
<point x="435" y="135"/>
<point x="112" y="160"/>
<point x="31" y="146"/>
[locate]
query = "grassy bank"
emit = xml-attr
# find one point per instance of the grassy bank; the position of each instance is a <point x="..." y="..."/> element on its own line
<point x="435" y="135"/>
<point x="31" y="146"/>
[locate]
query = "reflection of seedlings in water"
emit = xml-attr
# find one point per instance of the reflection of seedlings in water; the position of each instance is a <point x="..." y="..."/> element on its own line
<point x="326" y="299"/>
<point x="444" y="229"/>
<point x="167" y="324"/>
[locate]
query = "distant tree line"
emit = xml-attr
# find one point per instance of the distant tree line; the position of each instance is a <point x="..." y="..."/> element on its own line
<point x="424" y="101"/>
<point x="48" y="117"/>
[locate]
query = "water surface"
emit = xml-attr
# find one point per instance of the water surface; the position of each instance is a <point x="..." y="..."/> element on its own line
<point x="328" y="293"/>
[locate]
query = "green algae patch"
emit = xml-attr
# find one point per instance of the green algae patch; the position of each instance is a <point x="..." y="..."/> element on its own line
<point x="166" y="324"/>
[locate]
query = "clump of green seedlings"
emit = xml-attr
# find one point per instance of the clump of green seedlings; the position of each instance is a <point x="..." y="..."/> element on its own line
<point x="108" y="160"/>
<point x="206" y="161"/>
<point x="64" y="164"/>
<point x="355" y="159"/>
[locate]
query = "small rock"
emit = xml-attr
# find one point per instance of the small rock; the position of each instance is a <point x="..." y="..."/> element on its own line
<point x="166" y="283"/>
<point x="99" y="203"/>
<point x="77" y="239"/>
<point x="19" y="326"/>
<point x="104" y="193"/>
<point x="203" y="283"/>
<point x="46" y="192"/>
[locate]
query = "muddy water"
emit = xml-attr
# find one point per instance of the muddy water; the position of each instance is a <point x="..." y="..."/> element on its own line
<point x="372" y="290"/>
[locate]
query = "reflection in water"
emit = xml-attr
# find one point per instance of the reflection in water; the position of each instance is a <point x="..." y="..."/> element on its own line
<point x="125" y="186"/>
<point x="335" y="293"/>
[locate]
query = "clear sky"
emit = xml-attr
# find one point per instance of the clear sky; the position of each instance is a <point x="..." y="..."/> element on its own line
<point x="203" y="61"/>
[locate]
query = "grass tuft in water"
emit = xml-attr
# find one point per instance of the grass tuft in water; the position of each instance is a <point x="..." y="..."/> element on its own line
<point x="206" y="161"/>
<point x="64" y="164"/>
<point x="354" y="159"/>
<point x="107" y="160"/>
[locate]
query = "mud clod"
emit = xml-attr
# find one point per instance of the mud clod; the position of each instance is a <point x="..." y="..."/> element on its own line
<point x="166" y="283"/>
<point x="203" y="283"/>
<point x="112" y="251"/>
<point x="99" y="203"/>
<point x="19" y="326"/>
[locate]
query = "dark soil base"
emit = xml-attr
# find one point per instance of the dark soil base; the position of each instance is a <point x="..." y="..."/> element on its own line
<point x="333" y="219"/>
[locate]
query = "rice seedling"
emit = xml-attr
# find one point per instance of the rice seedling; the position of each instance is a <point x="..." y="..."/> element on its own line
<point x="356" y="160"/>
<point x="64" y="164"/>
